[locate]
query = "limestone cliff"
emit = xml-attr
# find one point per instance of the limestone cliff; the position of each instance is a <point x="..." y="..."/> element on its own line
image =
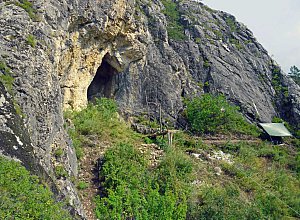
<point x="62" y="54"/>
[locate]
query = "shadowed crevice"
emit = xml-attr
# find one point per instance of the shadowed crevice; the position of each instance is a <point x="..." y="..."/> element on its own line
<point x="103" y="82"/>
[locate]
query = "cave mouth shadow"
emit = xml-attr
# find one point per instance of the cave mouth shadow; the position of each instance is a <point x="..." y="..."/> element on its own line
<point x="103" y="82"/>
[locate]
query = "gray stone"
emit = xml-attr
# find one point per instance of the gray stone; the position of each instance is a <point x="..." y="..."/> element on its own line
<point x="147" y="69"/>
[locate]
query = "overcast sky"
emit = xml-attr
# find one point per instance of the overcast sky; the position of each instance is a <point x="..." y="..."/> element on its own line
<point x="275" y="24"/>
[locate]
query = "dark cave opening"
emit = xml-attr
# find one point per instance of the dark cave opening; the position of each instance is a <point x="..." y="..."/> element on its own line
<point x="102" y="84"/>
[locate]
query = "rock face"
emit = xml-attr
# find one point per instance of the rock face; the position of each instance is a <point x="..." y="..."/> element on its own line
<point x="217" y="55"/>
<point x="63" y="54"/>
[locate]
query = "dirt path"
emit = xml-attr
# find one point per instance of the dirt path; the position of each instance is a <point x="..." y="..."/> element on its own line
<point x="89" y="174"/>
<point x="234" y="141"/>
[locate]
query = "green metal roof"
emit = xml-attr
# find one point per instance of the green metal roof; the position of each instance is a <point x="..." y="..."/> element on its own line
<point x="276" y="129"/>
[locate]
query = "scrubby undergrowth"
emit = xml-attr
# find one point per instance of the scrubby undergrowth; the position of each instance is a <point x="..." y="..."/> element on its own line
<point x="23" y="196"/>
<point x="191" y="180"/>
<point x="97" y="123"/>
<point x="213" y="114"/>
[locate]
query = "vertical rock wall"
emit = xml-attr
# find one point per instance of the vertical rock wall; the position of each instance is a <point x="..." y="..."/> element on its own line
<point x="55" y="51"/>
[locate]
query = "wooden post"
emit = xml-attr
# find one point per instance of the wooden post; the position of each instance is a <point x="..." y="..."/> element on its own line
<point x="160" y="120"/>
<point x="170" y="137"/>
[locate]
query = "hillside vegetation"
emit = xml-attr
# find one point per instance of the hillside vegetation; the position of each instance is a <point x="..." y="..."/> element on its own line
<point x="192" y="180"/>
<point x="24" y="197"/>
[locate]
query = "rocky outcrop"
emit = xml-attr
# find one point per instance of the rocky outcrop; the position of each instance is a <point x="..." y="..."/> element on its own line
<point x="63" y="54"/>
<point x="217" y="55"/>
<point x="289" y="107"/>
<point x="15" y="140"/>
<point x="53" y="50"/>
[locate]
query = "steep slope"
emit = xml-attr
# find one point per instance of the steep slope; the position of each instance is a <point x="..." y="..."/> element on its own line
<point x="144" y="54"/>
<point x="202" y="50"/>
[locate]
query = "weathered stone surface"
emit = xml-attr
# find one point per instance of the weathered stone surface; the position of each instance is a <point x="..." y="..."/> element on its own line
<point x="14" y="140"/>
<point x="121" y="49"/>
<point x="176" y="69"/>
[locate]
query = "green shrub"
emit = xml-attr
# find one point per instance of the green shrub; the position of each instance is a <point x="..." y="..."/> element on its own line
<point x="206" y="64"/>
<point x="24" y="197"/>
<point x="281" y="90"/>
<point x="31" y="40"/>
<point x="6" y="78"/>
<point x="59" y="152"/>
<point x="222" y="203"/>
<point x="297" y="163"/>
<point x="60" y="171"/>
<point x="28" y="7"/>
<point x="175" y="28"/>
<point x="213" y="114"/>
<point x="237" y="43"/>
<point x="230" y="21"/>
<point x="82" y="185"/>
<point x="133" y="191"/>
<point x="231" y="148"/>
<point x="198" y="40"/>
<point x="276" y="153"/>
<point x="186" y="142"/>
<point x="4" y="68"/>
<point x="218" y="34"/>
<point x="99" y="120"/>
<point x="272" y="182"/>
<point x="255" y="191"/>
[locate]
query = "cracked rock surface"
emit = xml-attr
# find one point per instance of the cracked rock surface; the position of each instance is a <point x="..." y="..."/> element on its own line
<point x="70" y="52"/>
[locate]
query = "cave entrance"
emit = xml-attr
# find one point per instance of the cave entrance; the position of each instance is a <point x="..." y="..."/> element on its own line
<point x="103" y="82"/>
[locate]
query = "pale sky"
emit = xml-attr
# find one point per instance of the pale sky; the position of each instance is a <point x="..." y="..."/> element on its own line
<point x="274" y="23"/>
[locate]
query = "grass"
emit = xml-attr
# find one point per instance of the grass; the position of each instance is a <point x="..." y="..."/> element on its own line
<point x="206" y="64"/>
<point x="255" y="186"/>
<point x="59" y="152"/>
<point x="261" y="183"/>
<point x="213" y="114"/>
<point x="24" y="197"/>
<point x="99" y="120"/>
<point x="6" y="77"/>
<point x="7" y="80"/>
<point x="82" y="185"/>
<point x="28" y="7"/>
<point x="133" y="191"/>
<point x="31" y="40"/>
<point x="236" y="43"/>
<point x="281" y="91"/>
<point x="175" y="28"/>
<point x="60" y="171"/>
<point x="230" y="21"/>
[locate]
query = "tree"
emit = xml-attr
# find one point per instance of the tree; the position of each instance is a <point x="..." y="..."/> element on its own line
<point x="294" y="71"/>
<point x="213" y="114"/>
<point x="295" y="74"/>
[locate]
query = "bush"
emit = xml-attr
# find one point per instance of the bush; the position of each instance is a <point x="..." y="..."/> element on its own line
<point x="133" y="191"/>
<point x="230" y="21"/>
<point x="60" y="171"/>
<point x="98" y="120"/>
<point x="28" y="7"/>
<point x="6" y="78"/>
<point x="276" y="153"/>
<point x="24" y="197"/>
<point x="275" y="196"/>
<point x="222" y="203"/>
<point x="272" y="182"/>
<point x="213" y="114"/>
<point x="175" y="28"/>
<point x="82" y="185"/>
<point x="59" y="152"/>
<point x="31" y="40"/>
